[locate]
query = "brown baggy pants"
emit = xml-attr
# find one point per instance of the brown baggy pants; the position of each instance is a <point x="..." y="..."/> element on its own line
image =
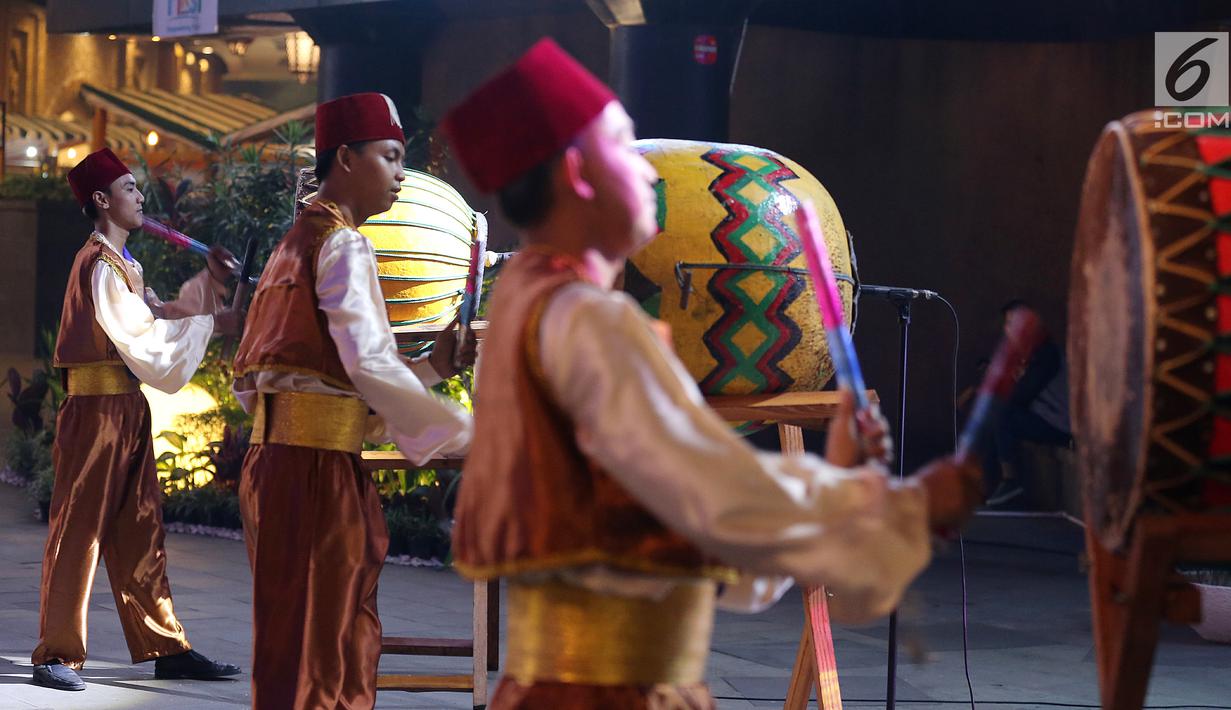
<point x="316" y="540"/>
<point x="106" y="500"/>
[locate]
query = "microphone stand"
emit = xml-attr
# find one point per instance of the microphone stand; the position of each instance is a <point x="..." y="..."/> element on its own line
<point x="904" y="307"/>
<point x="902" y="298"/>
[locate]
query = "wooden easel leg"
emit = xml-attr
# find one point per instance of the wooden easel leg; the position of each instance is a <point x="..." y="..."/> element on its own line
<point x="803" y="675"/>
<point x="1149" y="566"/>
<point x="828" y="692"/>
<point x="1104" y="613"/>
<point x="479" y="658"/>
<point x="493" y="625"/>
<point x="815" y="664"/>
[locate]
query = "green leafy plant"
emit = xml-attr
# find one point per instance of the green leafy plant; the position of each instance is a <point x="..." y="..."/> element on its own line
<point x="55" y="386"/>
<point x="424" y="148"/>
<point x="415" y="533"/>
<point x="246" y="192"/>
<point x="26" y="453"/>
<point x="215" y="377"/>
<point x="27" y="449"/>
<point x="207" y="505"/>
<point x="28" y="400"/>
<point x="456" y="389"/>
<point x="180" y="469"/>
<point x="226" y="457"/>
<point x="41" y="486"/>
<point x="35" y="187"/>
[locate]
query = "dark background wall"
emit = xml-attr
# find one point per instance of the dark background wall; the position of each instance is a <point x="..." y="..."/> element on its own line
<point x="956" y="164"/>
<point x="463" y="54"/>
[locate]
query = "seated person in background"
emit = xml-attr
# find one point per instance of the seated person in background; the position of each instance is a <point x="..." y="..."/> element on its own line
<point x="1037" y="411"/>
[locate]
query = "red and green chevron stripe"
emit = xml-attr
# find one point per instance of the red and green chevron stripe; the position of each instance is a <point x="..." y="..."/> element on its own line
<point x="754" y="303"/>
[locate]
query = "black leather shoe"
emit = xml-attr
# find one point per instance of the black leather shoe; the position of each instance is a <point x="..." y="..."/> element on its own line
<point x="58" y="677"/>
<point x="192" y="666"/>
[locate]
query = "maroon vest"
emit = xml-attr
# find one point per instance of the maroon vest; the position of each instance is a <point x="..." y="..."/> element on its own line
<point x="286" y="330"/>
<point x="81" y="340"/>
<point x="530" y="499"/>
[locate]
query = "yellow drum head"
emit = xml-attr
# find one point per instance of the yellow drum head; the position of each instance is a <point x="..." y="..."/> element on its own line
<point x="749" y="322"/>
<point x="423" y="245"/>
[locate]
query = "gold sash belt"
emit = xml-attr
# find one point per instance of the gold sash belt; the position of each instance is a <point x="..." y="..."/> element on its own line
<point x="316" y="421"/>
<point x="563" y="633"/>
<point x="100" y="379"/>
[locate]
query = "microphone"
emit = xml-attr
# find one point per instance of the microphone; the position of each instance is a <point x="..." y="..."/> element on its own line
<point x="895" y="292"/>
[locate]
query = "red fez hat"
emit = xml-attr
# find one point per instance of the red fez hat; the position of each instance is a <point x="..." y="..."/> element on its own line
<point x="356" y="118"/>
<point x="96" y="172"/>
<point x="524" y="115"/>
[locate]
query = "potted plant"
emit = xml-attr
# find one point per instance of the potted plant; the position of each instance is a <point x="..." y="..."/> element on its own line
<point x="1214" y="585"/>
<point x="40" y="488"/>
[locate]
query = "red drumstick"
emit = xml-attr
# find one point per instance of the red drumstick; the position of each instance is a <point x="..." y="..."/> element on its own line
<point x="1023" y="334"/>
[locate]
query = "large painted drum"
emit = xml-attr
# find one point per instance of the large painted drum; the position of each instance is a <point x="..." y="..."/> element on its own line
<point x="1149" y="325"/>
<point x="728" y="273"/>
<point x="423" y="248"/>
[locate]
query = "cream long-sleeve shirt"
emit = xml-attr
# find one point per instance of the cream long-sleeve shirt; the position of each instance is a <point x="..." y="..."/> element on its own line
<point x="639" y="414"/>
<point x="421" y="423"/>
<point x="161" y="343"/>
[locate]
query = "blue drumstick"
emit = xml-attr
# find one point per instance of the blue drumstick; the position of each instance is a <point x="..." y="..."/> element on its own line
<point x="841" y="347"/>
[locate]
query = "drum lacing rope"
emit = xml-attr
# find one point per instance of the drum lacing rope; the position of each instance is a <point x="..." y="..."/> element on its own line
<point x="1221" y="222"/>
<point x="1220" y="169"/>
<point x="1221" y="286"/>
<point x="1217" y="468"/>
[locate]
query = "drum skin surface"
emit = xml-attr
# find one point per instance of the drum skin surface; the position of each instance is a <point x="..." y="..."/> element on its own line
<point x="1143" y="316"/>
<point x="423" y="245"/>
<point x="749" y="330"/>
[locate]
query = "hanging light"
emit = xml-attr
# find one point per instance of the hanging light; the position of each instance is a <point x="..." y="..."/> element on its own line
<point x="72" y="153"/>
<point x="302" y="55"/>
<point x="31" y="152"/>
<point x="151" y="138"/>
<point x="239" y="46"/>
<point x="155" y="38"/>
<point x="207" y="50"/>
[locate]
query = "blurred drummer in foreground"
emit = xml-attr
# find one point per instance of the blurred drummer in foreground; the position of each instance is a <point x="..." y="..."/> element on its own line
<point x="620" y="507"/>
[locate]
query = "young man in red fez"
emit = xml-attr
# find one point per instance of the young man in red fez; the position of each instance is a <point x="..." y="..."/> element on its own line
<point x="317" y="359"/>
<point x="615" y="501"/>
<point x="114" y="335"/>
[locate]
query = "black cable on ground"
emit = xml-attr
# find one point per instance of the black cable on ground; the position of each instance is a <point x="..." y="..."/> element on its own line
<point x="957" y="340"/>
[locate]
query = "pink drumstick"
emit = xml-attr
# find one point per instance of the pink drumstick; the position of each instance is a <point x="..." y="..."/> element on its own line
<point x="177" y="238"/>
<point x="173" y="236"/>
<point x="825" y="285"/>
